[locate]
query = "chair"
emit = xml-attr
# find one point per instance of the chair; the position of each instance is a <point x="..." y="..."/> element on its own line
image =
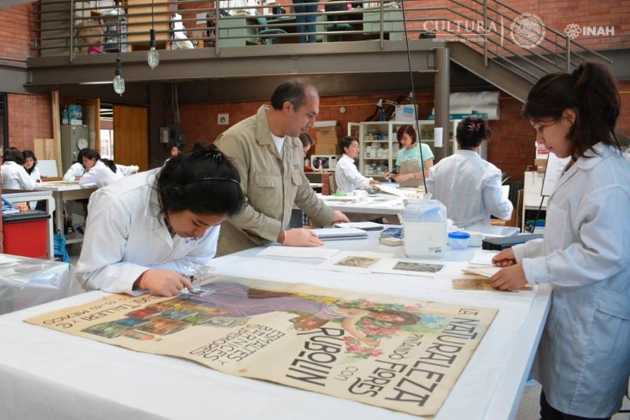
<point x="264" y="32"/>
<point x="337" y="27"/>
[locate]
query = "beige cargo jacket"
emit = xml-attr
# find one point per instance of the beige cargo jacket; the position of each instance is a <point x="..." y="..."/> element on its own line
<point x="271" y="183"/>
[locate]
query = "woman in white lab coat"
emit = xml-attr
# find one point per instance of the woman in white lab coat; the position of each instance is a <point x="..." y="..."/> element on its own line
<point x="76" y="170"/>
<point x="469" y="186"/>
<point x="14" y="176"/>
<point x="99" y="172"/>
<point x="30" y="164"/>
<point x="583" y="360"/>
<point x="152" y="229"/>
<point x="347" y="176"/>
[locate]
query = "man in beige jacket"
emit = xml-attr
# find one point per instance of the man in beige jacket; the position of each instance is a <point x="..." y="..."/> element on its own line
<point x="268" y="154"/>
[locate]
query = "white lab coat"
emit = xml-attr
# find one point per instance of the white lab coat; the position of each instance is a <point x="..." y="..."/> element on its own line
<point x="15" y="177"/>
<point x="583" y="359"/>
<point x="35" y="175"/>
<point x="100" y="175"/>
<point x="74" y="171"/>
<point x="126" y="235"/>
<point x="469" y="187"/>
<point x="348" y="177"/>
<point x="127" y="170"/>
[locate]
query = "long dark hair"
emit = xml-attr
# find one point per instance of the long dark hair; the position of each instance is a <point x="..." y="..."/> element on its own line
<point x="471" y="131"/>
<point x="94" y="155"/>
<point x="29" y="154"/>
<point x="591" y="92"/>
<point x="203" y="182"/>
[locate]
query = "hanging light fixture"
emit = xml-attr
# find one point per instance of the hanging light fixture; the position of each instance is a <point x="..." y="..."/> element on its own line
<point x="153" y="56"/>
<point x="119" y="81"/>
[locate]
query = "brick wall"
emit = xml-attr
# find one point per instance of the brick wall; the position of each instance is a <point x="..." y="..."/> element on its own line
<point x="511" y="147"/>
<point x="29" y="118"/>
<point x="18" y="31"/>
<point x="29" y="115"/>
<point x="559" y="13"/>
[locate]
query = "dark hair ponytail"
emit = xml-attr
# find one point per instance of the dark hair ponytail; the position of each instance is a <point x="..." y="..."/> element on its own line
<point x="110" y="164"/>
<point x="471" y="131"/>
<point x="203" y="182"/>
<point x="591" y="92"/>
<point x="94" y="155"/>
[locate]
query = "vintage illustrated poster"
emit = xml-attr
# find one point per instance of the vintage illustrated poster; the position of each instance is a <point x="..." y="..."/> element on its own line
<point x="396" y="353"/>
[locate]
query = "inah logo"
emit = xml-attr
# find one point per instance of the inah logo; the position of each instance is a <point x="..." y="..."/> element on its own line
<point x="528" y="30"/>
<point x="573" y="30"/>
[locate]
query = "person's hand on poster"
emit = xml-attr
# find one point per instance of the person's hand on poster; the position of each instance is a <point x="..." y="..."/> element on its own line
<point x="509" y="278"/>
<point x="504" y="258"/>
<point x="299" y="237"/>
<point x="162" y="282"/>
<point x="339" y="217"/>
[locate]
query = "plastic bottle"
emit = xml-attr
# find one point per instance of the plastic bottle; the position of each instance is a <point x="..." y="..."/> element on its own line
<point x="426" y="229"/>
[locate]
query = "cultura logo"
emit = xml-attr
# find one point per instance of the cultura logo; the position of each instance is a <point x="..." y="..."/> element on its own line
<point x="528" y="30"/>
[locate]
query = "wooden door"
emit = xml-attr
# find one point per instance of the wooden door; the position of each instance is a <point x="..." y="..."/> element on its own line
<point x="131" y="136"/>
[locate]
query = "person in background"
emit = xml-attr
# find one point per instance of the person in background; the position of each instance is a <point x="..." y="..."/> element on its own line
<point x="99" y="172"/>
<point x="306" y="23"/>
<point x="176" y="150"/>
<point x="307" y="142"/>
<point x="410" y="150"/>
<point x="269" y="157"/>
<point x="14" y="176"/>
<point x="469" y="186"/>
<point x="153" y="229"/>
<point x="30" y="164"/>
<point x="583" y="359"/>
<point x="76" y="170"/>
<point x="347" y="176"/>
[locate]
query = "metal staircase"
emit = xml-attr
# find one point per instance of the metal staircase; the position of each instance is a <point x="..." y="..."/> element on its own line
<point x="512" y="50"/>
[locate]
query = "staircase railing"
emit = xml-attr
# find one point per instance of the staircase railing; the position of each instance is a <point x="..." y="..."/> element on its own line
<point x="537" y="50"/>
<point x="503" y="35"/>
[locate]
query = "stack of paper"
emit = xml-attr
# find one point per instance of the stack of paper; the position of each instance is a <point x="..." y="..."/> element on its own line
<point x="360" y="225"/>
<point x="481" y="271"/>
<point x="336" y="234"/>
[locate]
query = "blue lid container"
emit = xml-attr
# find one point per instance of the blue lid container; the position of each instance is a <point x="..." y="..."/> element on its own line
<point x="458" y="240"/>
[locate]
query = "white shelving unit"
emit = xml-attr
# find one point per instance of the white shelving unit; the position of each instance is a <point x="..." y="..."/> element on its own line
<point x="379" y="146"/>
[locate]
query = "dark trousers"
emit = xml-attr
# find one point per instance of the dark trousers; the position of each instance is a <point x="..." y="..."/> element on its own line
<point x="547" y="412"/>
<point x="306" y="24"/>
